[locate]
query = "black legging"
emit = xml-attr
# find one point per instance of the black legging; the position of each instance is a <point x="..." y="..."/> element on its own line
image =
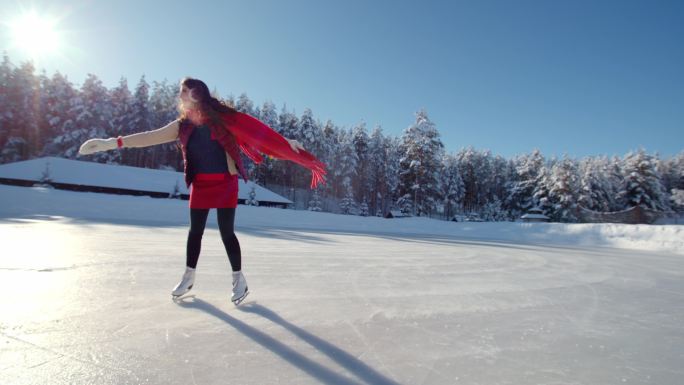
<point x="226" y="220"/>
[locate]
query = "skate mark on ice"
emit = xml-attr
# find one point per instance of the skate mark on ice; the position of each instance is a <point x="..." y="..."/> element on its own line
<point x="341" y="357"/>
<point x="376" y="309"/>
<point x="55" y="268"/>
<point x="370" y="349"/>
<point x="290" y="355"/>
<point x="295" y="358"/>
<point x="63" y="355"/>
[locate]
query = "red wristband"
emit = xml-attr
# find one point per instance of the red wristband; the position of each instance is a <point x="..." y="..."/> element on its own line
<point x="119" y="142"/>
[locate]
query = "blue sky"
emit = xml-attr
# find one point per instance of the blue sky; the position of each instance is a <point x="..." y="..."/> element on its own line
<point x="576" y="77"/>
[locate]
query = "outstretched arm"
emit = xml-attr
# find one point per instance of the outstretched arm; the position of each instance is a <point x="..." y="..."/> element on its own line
<point x="256" y="138"/>
<point x="166" y="134"/>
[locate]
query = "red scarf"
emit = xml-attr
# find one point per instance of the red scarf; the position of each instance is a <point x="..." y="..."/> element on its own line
<point x="255" y="138"/>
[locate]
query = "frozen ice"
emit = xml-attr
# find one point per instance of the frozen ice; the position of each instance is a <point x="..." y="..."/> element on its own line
<point x="86" y="281"/>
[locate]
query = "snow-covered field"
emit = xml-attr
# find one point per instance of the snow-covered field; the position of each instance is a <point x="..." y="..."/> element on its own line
<point x="335" y="299"/>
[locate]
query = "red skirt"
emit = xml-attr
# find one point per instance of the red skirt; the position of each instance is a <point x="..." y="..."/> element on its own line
<point x="211" y="191"/>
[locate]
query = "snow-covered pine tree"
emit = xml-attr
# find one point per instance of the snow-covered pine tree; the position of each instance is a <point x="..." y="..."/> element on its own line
<point x="14" y="150"/>
<point x="122" y="113"/>
<point x="672" y="177"/>
<point x="315" y="203"/>
<point x="269" y="115"/>
<point x="468" y="162"/>
<point x="19" y="129"/>
<point x="672" y="173"/>
<point x="677" y="200"/>
<point x="122" y="100"/>
<point x="229" y="100"/>
<point x="264" y="171"/>
<point x="58" y="93"/>
<point x="677" y="171"/>
<point x="422" y="151"/>
<point x="497" y="180"/>
<point x="493" y="211"/>
<point x="615" y="181"/>
<point x="377" y="171"/>
<point x="346" y="165"/>
<point x="175" y="192"/>
<point x="5" y="112"/>
<point x="451" y="188"/>
<point x="309" y="132"/>
<point x="41" y="103"/>
<point x="244" y="104"/>
<point x="676" y="177"/>
<point x="163" y="110"/>
<point x="348" y="204"/>
<point x="31" y="113"/>
<point x="394" y="155"/>
<point x="329" y="140"/>
<point x="642" y="185"/>
<point x="360" y="140"/>
<point x="92" y="115"/>
<point x="405" y="204"/>
<point x="329" y="148"/>
<point x="520" y="197"/>
<point x="287" y="123"/>
<point x="589" y="189"/>
<point x="140" y="122"/>
<point x="596" y="192"/>
<point x="564" y="191"/>
<point x="363" y="208"/>
<point x="252" y="201"/>
<point x="541" y="195"/>
<point x="485" y="173"/>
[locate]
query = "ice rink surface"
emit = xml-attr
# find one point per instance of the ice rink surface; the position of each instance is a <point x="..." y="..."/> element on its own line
<point x="87" y="300"/>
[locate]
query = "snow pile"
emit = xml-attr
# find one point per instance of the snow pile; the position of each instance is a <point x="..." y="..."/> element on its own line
<point x="27" y="202"/>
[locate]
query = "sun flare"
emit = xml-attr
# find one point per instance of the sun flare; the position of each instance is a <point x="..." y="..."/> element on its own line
<point x="35" y="34"/>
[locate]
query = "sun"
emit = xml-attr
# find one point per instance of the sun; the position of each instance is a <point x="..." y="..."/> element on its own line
<point x="35" y="34"/>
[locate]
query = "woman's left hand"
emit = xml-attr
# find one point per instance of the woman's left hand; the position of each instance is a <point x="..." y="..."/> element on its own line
<point x="295" y="145"/>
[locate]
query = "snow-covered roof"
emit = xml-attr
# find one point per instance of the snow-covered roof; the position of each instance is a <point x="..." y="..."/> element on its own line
<point x="116" y="176"/>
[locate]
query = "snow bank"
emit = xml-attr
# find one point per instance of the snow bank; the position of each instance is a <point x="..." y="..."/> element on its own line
<point x="38" y="202"/>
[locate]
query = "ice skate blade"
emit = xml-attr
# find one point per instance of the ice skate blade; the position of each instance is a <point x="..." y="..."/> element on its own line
<point x="182" y="297"/>
<point x="239" y="300"/>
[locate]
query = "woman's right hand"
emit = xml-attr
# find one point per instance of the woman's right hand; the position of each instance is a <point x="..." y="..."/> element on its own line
<point x="295" y="145"/>
<point x="96" y="145"/>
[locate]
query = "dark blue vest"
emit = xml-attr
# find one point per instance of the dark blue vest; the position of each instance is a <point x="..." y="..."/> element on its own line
<point x="201" y="153"/>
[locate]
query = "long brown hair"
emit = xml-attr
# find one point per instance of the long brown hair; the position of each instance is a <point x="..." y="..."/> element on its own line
<point x="209" y="109"/>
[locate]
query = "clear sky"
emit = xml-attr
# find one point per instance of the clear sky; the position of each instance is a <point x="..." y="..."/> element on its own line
<point x="577" y="77"/>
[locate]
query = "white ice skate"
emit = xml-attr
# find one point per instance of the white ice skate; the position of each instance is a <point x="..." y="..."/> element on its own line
<point x="185" y="284"/>
<point x="240" y="289"/>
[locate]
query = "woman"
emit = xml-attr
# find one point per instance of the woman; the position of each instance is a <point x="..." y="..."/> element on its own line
<point x="211" y="135"/>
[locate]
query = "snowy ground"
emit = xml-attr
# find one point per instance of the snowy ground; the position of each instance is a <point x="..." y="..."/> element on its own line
<point x="335" y="299"/>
